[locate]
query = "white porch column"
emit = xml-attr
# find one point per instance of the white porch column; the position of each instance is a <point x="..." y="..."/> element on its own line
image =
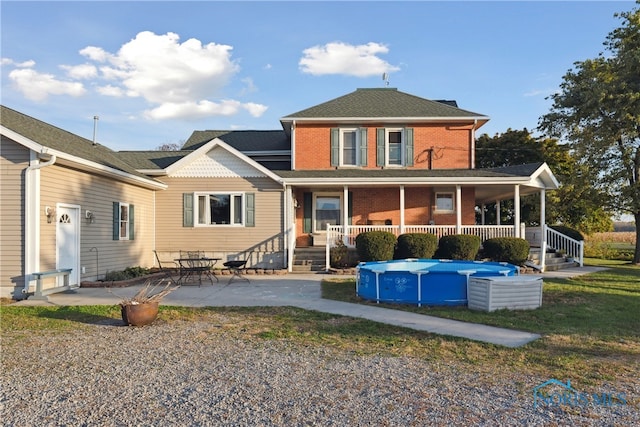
<point x="516" y="209"/>
<point x="401" y="209"/>
<point x="497" y="212"/>
<point x="543" y="216"/>
<point x="482" y="221"/>
<point x="458" y="209"/>
<point x="289" y="229"/>
<point x="345" y="208"/>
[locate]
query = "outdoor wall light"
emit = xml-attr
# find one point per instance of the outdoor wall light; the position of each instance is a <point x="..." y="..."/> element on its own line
<point x="89" y="216"/>
<point x="50" y="213"/>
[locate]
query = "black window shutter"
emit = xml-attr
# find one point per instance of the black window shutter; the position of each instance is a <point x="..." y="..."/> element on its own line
<point x="307" y="206"/>
<point x="187" y="209"/>
<point x="350" y="207"/>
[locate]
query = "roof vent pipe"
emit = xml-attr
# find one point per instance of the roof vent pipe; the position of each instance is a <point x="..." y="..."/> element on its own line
<point x="95" y="128"/>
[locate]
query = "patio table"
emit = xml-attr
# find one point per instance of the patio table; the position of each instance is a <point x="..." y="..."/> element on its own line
<point x="197" y="266"/>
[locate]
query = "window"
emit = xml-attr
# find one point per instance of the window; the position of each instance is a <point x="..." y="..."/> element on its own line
<point x="348" y="147"/>
<point x="220" y="209"/>
<point x="327" y="211"/>
<point x="123" y="221"/>
<point x="444" y="202"/>
<point x="394" y="147"/>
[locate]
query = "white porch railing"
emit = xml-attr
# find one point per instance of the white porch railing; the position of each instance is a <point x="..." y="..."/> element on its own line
<point x="552" y="239"/>
<point x="348" y="234"/>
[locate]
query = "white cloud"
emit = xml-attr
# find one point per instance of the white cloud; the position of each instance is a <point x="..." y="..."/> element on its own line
<point x="200" y="109"/>
<point x="256" y="110"/>
<point x="110" y="90"/>
<point x="162" y="70"/>
<point x="342" y="58"/>
<point x="38" y="86"/>
<point x="26" y="64"/>
<point x="176" y="79"/>
<point x="81" y="72"/>
<point x="95" y="53"/>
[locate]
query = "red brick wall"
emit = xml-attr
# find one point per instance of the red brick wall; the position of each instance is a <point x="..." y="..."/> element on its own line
<point x="447" y="146"/>
<point x="381" y="204"/>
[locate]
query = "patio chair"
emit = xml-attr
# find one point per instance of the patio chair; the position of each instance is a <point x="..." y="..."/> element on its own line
<point x="167" y="271"/>
<point x="236" y="267"/>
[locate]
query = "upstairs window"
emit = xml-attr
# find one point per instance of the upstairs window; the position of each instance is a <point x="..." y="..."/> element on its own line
<point x="394" y="147"/>
<point x="348" y="147"/>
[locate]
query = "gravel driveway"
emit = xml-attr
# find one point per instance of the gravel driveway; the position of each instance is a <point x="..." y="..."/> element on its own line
<point x="183" y="373"/>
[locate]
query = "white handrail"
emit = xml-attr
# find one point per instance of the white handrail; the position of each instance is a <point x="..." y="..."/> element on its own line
<point x="561" y="242"/>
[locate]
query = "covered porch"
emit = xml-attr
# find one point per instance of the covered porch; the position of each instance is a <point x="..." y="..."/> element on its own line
<point x="323" y="209"/>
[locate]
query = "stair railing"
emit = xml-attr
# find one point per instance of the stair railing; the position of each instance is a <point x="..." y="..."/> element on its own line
<point x="561" y="242"/>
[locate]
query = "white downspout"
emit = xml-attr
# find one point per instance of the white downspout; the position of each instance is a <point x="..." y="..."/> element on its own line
<point x="473" y="144"/>
<point x="293" y="145"/>
<point x="31" y="218"/>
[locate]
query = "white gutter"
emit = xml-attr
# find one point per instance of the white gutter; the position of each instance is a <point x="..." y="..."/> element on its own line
<point x="473" y="144"/>
<point x="31" y="217"/>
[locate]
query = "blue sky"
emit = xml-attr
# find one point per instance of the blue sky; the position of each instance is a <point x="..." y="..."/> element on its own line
<point x="155" y="71"/>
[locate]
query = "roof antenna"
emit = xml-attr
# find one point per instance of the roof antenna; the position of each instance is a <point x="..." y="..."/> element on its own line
<point x="385" y="78"/>
<point x="95" y="129"/>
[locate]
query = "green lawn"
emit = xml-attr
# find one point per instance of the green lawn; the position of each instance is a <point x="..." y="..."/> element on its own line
<point x="590" y="329"/>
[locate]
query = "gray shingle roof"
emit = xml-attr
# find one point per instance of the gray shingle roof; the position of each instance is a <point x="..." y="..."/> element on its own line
<point x="519" y="171"/>
<point x="61" y="140"/>
<point x="382" y="103"/>
<point x="150" y="160"/>
<point x="241" y="140"/>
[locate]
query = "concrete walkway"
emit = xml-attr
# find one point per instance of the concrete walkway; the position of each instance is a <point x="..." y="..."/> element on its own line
<point x="303" y="291"/>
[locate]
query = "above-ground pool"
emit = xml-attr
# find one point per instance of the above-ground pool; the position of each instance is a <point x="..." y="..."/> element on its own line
<point x="423" y="281"/>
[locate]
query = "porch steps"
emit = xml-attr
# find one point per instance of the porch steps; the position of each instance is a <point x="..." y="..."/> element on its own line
<point x="554" y="261"/>
<point x="309" y="259"/>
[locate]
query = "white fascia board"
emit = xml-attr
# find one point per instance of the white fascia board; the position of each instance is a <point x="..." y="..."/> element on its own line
<point x="217" y="142"/>
<point x="546" y="176"/>
<point x="82" y="164"/>
<point x="472" y="181"/>
<point x="383" y="120"/>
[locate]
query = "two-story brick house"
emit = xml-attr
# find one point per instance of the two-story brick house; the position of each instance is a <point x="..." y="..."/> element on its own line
<point x="371" y="159"/>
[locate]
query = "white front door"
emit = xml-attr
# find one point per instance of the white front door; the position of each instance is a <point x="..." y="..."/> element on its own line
<point x="68" y="241"/>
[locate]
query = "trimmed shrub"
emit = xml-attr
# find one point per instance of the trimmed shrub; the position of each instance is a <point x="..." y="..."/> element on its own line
<point x="416" y="245"/>
<point x="375" y="245"/>
<point x="458" y="246"/>
<point x="507" y="249"/>
<point x="568" y="231"/>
